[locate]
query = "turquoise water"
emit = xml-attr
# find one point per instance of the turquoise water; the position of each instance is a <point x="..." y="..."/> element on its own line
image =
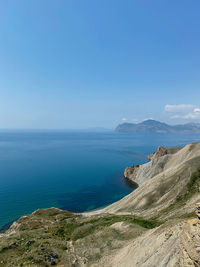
<point x="77" y="171"/>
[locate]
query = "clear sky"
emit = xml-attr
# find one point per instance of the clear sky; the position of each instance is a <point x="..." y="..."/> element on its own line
<point x="95" y="63"/>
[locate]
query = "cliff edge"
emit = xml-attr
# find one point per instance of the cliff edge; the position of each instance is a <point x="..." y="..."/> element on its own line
<point x="158" y="162"/>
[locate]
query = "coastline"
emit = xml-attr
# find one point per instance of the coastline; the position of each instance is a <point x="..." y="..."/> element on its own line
<point x="158" y="216"/>
<point x="120" y="151"/>
<point x="5" y="227"/>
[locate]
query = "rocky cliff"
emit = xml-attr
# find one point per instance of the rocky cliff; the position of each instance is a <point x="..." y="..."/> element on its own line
<point x="158" y="162"/>
<point x="157" y="225"/>
<point x="162" y="151"/>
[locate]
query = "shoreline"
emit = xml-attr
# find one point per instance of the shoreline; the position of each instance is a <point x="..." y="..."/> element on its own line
<point x="128" y="183"/>
<point x="6" y="226"/>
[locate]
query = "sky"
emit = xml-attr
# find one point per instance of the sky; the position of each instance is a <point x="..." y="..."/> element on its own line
<point x="73" y="64"/>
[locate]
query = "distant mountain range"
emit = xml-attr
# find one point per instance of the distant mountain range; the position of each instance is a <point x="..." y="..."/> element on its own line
<point x="152" y="126"/>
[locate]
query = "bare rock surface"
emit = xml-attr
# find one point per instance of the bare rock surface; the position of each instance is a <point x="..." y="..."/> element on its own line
<point x="173" y="244"/>
<point x="162" y="151"/>
<point x="158" y="160"/>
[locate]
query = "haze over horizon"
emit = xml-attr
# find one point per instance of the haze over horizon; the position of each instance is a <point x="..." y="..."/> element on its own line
<point x="81" y="64"/>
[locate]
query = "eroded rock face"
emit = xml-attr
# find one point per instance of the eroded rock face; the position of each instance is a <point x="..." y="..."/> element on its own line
<point x="131" y="172"/>
<point x="161" y="151"/>
<point x="158" y="162"/>
<point x="140" y="173"/>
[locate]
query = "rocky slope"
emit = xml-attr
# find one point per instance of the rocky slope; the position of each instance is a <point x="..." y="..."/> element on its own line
<point x="165" y="182"/>
<point x="162" y="151"/>
<point x="155" y="225"/>
<point x="172" y="244"/>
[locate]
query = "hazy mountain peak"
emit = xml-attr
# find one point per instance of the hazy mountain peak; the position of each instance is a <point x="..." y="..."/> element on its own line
<point x="153" y="126"/>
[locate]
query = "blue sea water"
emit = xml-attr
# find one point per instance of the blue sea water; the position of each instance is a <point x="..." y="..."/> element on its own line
<point x="77" y="171"/>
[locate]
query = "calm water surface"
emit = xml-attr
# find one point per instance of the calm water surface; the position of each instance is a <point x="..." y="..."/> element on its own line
<point x="78" y="171"/>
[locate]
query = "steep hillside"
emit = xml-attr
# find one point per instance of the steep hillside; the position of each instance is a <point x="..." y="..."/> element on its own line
<point x="176" y="243"/>
<point x="169" y="186"/>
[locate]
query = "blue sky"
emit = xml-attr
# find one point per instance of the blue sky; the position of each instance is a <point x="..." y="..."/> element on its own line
<point x="96" y="63"/>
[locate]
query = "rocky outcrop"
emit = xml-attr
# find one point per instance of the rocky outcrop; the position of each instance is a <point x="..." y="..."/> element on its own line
<point x="162" y="151"/>
<point x="158" y="162"/>
<point x="131" y="172"/>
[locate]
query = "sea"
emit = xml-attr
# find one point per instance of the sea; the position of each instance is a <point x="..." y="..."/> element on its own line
<point x="73" y="170"/>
